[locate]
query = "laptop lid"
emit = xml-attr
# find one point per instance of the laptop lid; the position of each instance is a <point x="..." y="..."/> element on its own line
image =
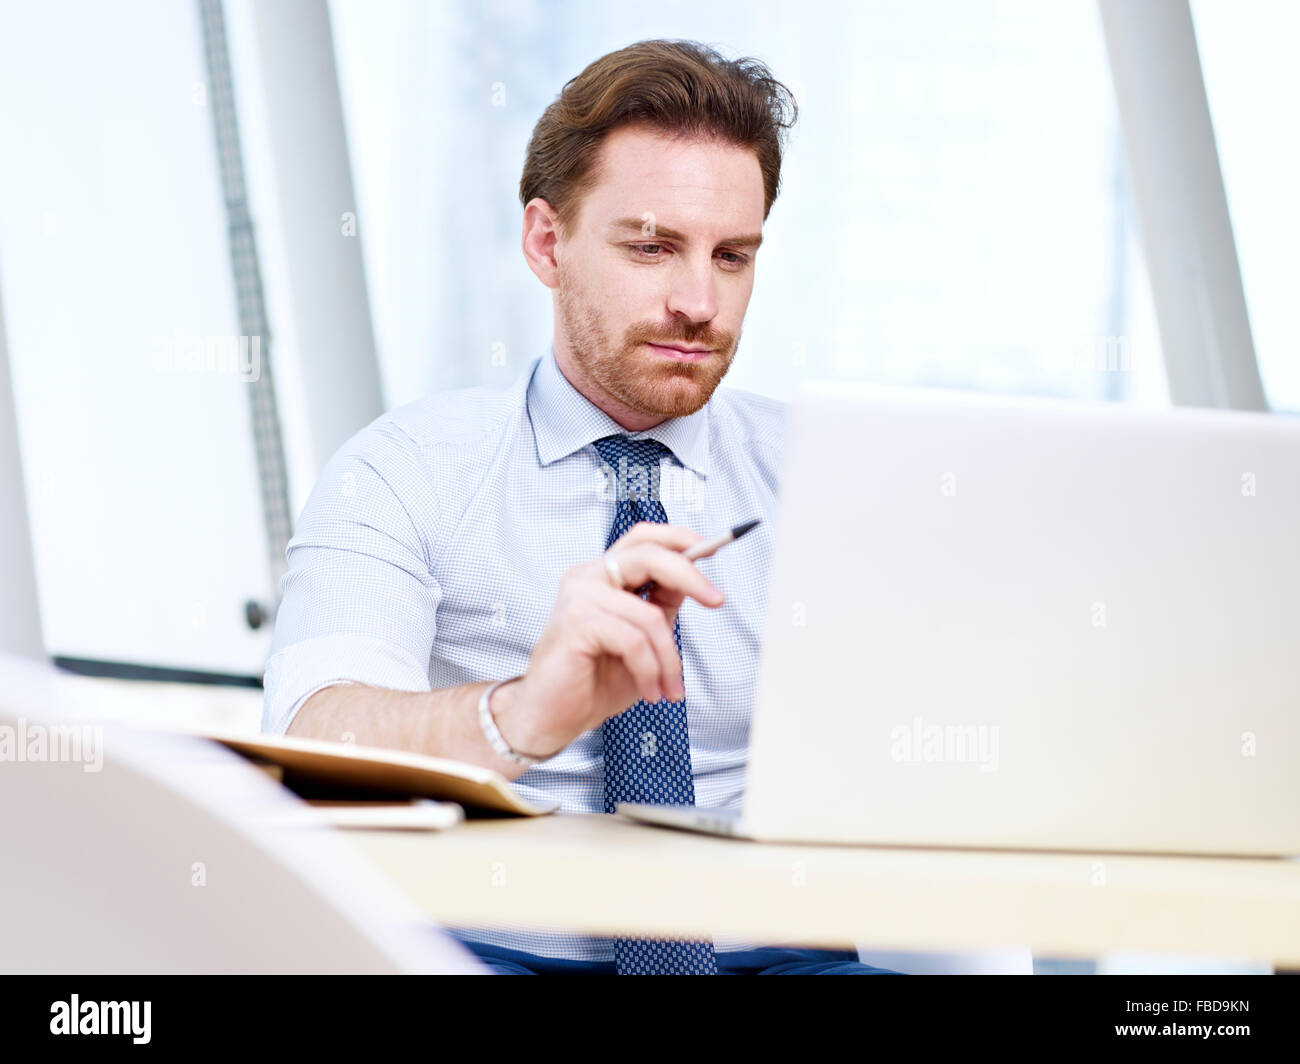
<point x="1002" y="621"/>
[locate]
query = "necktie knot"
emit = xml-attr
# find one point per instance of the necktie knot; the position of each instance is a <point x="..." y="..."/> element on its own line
<point x="632" y="466"/>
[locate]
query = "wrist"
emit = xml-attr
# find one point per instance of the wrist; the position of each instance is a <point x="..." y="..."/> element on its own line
<point x="504" y="706"/>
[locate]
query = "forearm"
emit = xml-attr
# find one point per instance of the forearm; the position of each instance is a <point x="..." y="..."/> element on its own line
<point x="440" y="723"/>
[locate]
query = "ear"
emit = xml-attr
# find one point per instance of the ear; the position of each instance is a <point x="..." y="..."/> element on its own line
<point x="541" y="234"/>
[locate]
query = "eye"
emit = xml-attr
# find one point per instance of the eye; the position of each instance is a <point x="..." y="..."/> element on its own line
<point x="734" y="259"/>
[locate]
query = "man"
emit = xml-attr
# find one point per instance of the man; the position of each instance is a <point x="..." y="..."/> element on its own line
<point x="447" y="591"/>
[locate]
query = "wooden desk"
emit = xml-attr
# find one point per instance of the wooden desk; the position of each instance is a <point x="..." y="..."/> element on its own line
<point x="605" y="875"/>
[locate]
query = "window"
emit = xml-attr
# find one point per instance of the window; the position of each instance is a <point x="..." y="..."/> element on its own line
<point x="954" y="207"/>
<point x="139" y="467"/>
<point x="1250" y="73"/>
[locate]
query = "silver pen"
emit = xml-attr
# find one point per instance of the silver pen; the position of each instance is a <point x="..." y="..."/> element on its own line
<point x="703" y="550"/>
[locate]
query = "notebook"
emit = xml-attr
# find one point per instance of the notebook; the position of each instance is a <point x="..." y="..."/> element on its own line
<point x="320" y="770"/>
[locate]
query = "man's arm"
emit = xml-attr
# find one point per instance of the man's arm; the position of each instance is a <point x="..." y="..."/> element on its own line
<point x="358" y="618"/>
<point x="438" y="723"/>
<point x="602" y="649"/>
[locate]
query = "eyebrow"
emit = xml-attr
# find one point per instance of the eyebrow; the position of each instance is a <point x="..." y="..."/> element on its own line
<point x="751" y="240"/>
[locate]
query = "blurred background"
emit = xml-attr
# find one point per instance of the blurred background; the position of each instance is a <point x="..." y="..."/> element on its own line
<point x="231" y="234"/>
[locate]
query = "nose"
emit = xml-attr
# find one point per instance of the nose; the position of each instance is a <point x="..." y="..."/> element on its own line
<point x="693" y="290"/>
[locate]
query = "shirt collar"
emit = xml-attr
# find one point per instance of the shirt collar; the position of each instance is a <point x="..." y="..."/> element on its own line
<point x="564" y="420"/>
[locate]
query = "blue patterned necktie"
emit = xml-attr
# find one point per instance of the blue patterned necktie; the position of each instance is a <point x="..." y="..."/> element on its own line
<point x="647" y="747"/>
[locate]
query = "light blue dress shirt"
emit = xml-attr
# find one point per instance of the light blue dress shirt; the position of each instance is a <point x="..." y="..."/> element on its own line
<point x="431" y="550"/>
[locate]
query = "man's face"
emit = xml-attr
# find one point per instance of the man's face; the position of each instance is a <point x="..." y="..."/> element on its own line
<point x="661" y="253"/>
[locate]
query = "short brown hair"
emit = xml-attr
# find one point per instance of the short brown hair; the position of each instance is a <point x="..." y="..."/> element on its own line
<point x="681" y="88"/>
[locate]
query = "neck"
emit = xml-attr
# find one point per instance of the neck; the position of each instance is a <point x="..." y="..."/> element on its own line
<point x="632" y="420"/>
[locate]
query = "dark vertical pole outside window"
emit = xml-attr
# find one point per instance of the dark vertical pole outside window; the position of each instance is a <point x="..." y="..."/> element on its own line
<point x="267" y="442"/>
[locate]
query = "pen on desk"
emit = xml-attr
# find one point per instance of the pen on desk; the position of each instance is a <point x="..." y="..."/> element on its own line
<point x="705" y="549"/>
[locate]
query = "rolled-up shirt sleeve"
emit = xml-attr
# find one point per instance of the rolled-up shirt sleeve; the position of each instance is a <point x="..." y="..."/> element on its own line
<point x="359" y="600"/>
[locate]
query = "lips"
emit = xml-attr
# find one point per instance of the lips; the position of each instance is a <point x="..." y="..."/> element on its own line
<point x="678" y="354"/>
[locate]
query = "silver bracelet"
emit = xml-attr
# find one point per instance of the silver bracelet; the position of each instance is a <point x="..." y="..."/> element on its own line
<point x="493" y="734"/>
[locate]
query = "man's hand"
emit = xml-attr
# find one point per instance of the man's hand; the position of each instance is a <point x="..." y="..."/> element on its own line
<point x="603" y="649"/>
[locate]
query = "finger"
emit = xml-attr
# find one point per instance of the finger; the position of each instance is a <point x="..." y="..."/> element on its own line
<point x="676" y="538"/>
<point x="658" y="629"/>
<point x="667" y="600"/>
<point x="630" y="644"/>
<point x="641" y="562"/>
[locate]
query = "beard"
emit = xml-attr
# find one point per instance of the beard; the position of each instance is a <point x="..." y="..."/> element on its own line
<point x="637" y="377"/>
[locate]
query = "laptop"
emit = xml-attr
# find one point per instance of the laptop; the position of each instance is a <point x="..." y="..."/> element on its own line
<point x="1010" y="622"/>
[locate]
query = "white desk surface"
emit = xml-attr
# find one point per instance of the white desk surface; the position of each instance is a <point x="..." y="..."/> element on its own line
<point x="604" y="875"/>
